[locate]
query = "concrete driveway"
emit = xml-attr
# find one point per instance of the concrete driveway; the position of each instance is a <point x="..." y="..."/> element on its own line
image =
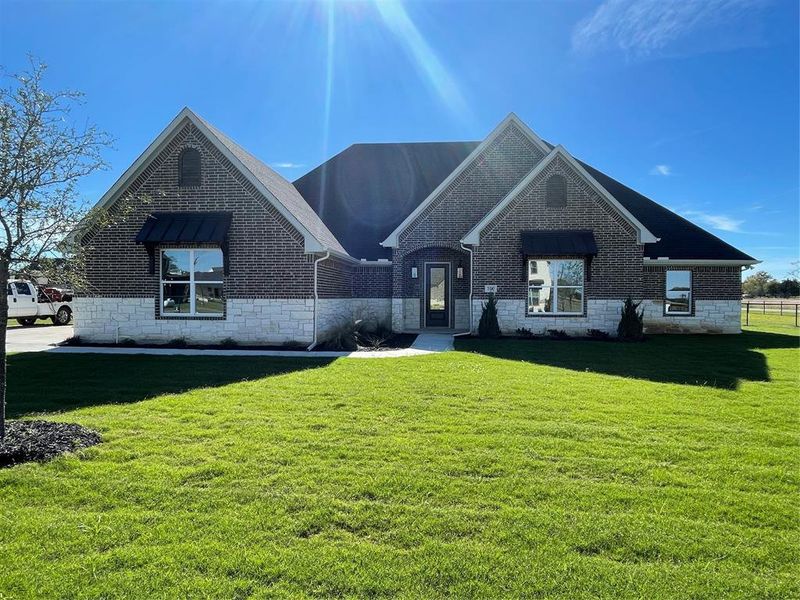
<point x="36" y="338"/>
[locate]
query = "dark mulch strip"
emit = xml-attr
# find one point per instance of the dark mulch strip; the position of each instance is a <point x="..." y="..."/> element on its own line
<point x="41" y="441"/>
<point x="398" y="341"/>
<point x="395" y="342"/>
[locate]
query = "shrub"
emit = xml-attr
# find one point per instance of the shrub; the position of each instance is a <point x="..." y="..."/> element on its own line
<point x="229" y="342"/>
<point x="524" y="332"/>
<point x="599" y="334"/>
<point x="631" y="323"/>
<point x="558" y="334"/>
<point x="488" y="327"/>
<point x="374" y="335"/>
<point x="178" y="342"/>
<point x="128" y="343"/>
<point x="75" y="340"/>
<point x="343" y="336"/>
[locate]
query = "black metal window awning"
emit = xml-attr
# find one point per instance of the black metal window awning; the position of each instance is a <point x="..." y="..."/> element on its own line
<point x="559" y="242"/>
<point x="163" y="228"/>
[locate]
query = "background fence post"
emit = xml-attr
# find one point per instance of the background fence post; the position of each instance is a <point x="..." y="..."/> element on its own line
<point x="747" y="322"/>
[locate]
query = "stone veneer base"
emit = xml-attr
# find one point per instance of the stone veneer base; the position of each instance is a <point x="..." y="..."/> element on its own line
<point x="253" y="321"/>
<point x="278" y="321"/>
<point x="711" y="316"/>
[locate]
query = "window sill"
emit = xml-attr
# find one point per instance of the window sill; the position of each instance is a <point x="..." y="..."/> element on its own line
<point x="179" y="317"/>
<point x="551" y="315"/>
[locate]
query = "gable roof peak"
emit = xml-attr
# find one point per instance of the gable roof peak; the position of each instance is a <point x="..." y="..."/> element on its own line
<point x="643" y="235"/>
<point x="278" y="191"/>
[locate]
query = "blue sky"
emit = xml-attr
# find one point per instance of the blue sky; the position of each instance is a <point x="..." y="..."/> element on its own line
<point x="694" y="104"/>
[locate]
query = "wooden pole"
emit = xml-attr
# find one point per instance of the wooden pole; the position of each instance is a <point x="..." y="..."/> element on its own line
<point x="747" y="322"/>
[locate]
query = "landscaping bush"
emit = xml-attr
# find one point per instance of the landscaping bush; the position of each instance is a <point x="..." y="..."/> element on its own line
<point x="128" y="343"/>
<point x="343" y="336"/>
<point x="631" y="323"/>
<point x="229" y="342"/>
<point x="558" y="334"/>
<point x="524" y="332"/>
<point x="75" y="340"/>
<point x="599" y="334"/>
<point x="373" y="335"/>
<point x="488" y="327"/>
<point x="178" y="342"/>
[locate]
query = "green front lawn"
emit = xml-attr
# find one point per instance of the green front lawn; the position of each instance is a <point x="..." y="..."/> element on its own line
<point x="507" y="469"/>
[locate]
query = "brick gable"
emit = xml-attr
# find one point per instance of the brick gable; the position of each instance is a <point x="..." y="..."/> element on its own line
<point x="266" y="253"/>
<point x="615" y="272"/>
<point x="473" y="193"/>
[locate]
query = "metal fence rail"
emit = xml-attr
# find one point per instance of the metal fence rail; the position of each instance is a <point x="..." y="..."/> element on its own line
<point x="778" y="306"/>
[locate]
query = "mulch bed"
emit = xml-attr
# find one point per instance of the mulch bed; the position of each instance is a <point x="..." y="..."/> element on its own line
<point x="41" y="441"/>
<point x="398" y="341"/>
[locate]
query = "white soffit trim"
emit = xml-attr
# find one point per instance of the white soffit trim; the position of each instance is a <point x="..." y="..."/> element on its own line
<point x="699" y="262"/>
<point x="361" y="261"/>
<point x="474" y="236"/>
<point x="312" y="244"/>
<point x="392" y="239"/>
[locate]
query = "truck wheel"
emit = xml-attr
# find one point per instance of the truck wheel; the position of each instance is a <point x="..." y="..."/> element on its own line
<point x="63" y="316"/>
<point x="27" y="321"/>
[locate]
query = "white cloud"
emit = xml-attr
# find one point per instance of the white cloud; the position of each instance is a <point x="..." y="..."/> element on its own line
<point x="721" y="222"/>
<point x="287" y="165"/>
<point x="647" y="27"/>
<point x="664" y="170"/>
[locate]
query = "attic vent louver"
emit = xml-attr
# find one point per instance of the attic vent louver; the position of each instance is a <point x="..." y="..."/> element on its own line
<point x="556" y="191"/>
<point x="189" y="168"/>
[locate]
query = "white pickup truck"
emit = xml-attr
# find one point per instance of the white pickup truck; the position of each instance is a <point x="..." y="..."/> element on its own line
<point x="27" y="303"/>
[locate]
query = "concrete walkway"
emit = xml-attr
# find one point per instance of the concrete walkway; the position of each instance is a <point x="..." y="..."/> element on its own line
<point x="36" y="338"/>
<point x="426" y="343"/>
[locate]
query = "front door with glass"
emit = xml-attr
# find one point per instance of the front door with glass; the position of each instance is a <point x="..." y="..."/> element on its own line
<point x="437" y="295"/>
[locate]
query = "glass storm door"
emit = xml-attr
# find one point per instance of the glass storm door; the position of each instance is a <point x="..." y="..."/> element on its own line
<point x="437" y="295"/>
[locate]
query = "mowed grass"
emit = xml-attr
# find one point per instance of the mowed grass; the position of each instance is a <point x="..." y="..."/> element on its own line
<point x="667" y="469"/>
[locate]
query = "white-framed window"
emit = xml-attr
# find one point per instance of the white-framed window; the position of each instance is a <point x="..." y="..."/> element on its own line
<point x="678" y="293"/>
<point x="191" y="282"/>
<point x="555" y="287"/>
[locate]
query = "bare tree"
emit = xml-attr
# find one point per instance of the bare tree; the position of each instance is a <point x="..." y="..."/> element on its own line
<point x="43" y="154"/>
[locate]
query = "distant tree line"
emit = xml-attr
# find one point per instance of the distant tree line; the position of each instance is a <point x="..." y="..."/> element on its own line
<point x="762" y="284"/>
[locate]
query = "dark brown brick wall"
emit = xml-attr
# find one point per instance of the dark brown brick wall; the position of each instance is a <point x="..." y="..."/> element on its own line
<point x="266" y="258"/>
<point x="708" y="283"/>
<point x="467" y="199"/>
<point x="342" y="279"/>
<point x="615" y="272"/>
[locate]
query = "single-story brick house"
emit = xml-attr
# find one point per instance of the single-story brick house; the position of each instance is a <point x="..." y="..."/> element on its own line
<point x="413" y="234"/>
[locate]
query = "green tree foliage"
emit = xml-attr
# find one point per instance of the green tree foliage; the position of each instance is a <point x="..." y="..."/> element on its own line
<point x="42" y="157"/>
<point x="757" y="284"/>
<point x="762" y="284"/>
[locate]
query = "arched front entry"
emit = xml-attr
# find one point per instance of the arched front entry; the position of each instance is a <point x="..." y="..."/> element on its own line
<point x="431" y="290"/>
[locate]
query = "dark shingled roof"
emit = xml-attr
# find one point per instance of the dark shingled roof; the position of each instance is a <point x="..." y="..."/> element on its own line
<point x="363" y="193"/>
<point x="680" y="239"/>
<point x="284" y="192"/>
<point x="366" y="190"/>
